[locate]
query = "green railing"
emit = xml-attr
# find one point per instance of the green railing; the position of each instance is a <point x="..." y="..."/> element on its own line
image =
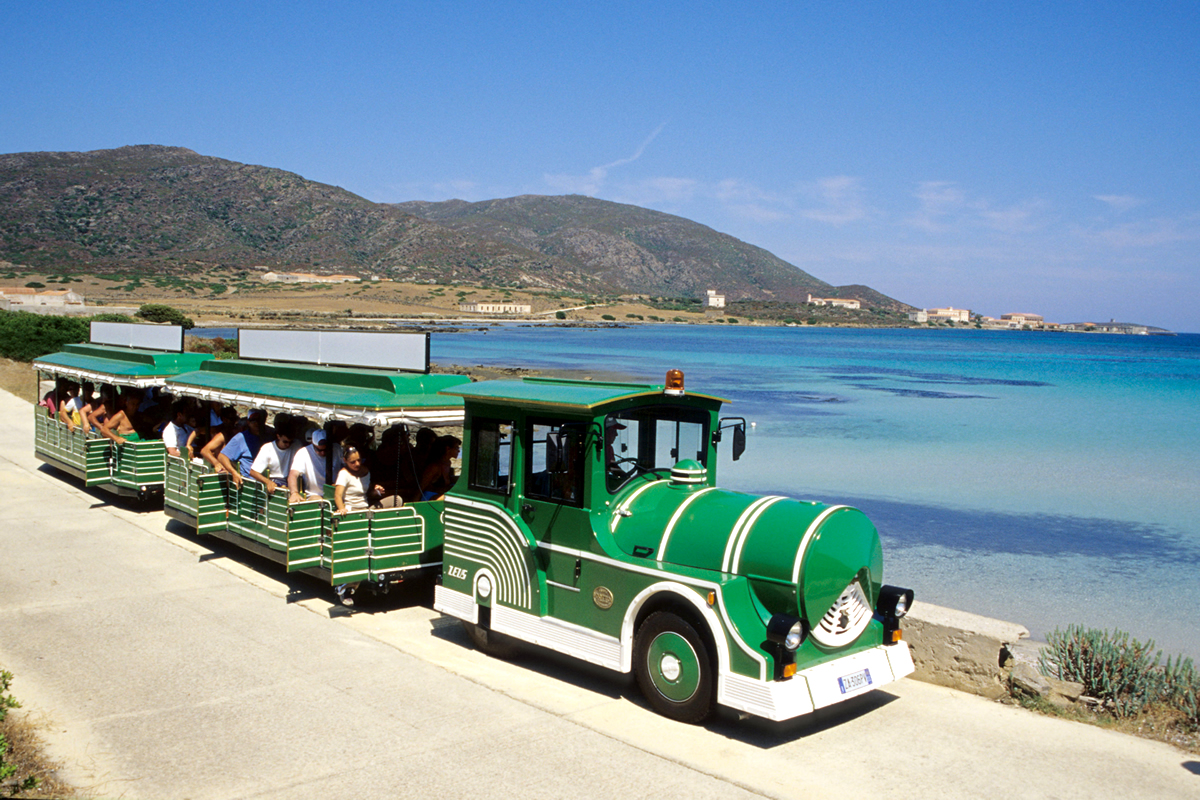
<point x="366" y="545"/>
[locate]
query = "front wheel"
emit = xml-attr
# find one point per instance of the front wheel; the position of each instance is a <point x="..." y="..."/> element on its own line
<point x="673" y="668"/>
<point x="496" y="645"/>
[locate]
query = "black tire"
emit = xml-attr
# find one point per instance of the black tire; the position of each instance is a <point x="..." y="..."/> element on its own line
<point x="496" y="645"/>
<point x="674" y="669"/>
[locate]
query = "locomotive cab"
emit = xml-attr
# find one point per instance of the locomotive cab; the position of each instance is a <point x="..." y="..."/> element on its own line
<point x="588" y="520"/>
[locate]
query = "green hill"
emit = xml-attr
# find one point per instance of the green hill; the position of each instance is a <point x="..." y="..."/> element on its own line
<point x="149" y="208"/>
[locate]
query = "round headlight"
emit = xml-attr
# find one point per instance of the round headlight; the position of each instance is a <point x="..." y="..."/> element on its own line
<point x="785" y="630"/>
<point x="894" y="601"/>
<point x="794" y="637"/>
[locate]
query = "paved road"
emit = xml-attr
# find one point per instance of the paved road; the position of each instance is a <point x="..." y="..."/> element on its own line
<point x="167" y="666"/>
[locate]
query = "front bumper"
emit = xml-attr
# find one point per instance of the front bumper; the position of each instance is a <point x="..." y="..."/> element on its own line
<point x="819" y="686"/>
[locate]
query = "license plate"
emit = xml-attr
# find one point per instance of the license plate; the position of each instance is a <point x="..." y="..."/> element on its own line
<point x="855" y="680"/>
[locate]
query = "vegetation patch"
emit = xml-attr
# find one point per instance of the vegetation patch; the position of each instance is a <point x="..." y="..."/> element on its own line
<point x="24" y="769"/>
<point x="1126" y="685"/>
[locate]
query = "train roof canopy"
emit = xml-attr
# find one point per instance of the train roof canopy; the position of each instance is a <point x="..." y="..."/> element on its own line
<point x="125" y="366"/>
<point x="374" y="396"/>
<point x="583" y="396"/>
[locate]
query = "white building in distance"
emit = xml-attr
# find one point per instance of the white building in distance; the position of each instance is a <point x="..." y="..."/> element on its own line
<point x="949" y="314"/>
<point x="836" y="302"/>
<point x="307" y="277"/>
<point x="713" y="300"/>
<point x="1019" y="319"/>
<point x="496" y="308"/>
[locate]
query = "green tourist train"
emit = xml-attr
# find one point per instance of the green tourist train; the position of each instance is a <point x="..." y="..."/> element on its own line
<point x="586" y="518"/>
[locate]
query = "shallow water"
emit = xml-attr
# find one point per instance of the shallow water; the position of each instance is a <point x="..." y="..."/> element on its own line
<point x="1041" y="478"/>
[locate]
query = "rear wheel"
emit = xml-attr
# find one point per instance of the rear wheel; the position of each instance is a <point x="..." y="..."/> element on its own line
<point x="673" y="667"/>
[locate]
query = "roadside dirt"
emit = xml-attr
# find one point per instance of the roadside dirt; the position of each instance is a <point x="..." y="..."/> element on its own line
<point x="18" y="378"/>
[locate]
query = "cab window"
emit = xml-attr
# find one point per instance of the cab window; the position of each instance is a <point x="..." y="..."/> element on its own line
<point x="491" y="455"/>
<point x="556" y="455"/>
<point x="642" y="440"/>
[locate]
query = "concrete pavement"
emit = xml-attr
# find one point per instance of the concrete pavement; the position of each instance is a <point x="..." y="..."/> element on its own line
<point x="164" y="665"/>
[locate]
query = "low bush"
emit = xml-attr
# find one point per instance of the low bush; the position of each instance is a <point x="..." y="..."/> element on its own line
<point x="157" y="312"/>
<point x="25" y="336"/>
<point x="1125" y="675"/>
<point x="11" y="783"/>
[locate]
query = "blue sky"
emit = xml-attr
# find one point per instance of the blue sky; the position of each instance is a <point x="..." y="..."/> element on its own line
<point x="1040" y="157"/>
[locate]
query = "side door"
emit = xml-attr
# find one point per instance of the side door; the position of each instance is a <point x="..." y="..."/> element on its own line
<point x="553" y="506"/>
<point x="489" y="553"/>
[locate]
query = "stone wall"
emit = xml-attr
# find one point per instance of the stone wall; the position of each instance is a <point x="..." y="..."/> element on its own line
<point x="960" y="650"/>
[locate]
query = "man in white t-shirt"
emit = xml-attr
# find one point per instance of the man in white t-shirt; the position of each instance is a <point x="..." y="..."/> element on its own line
<point x="177" y="431"/>
<point x="306" y="478"/>
<point x="274" y="460"/>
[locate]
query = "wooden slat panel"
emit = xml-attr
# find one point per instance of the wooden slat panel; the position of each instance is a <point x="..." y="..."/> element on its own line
<point x="99" y="453"/>
<point x="351" y="534"/>
<point x="212" y="503"/>
<point x="397" y="539"/>
<point x="305" y="533"/>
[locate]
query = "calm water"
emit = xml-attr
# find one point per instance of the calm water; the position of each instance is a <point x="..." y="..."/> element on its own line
<point x="1040" y="478"/>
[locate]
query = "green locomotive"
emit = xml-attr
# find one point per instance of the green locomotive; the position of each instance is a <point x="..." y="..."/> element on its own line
<point x="587" y="520"/>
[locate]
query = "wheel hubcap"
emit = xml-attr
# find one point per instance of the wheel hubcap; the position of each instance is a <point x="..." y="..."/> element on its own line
<point x="674" y="667"/>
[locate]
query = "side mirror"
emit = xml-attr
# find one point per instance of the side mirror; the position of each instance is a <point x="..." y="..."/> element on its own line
<point x="739" y="434"/>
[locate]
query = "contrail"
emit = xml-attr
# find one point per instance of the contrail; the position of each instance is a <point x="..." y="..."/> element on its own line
<point x="599" y="173"/>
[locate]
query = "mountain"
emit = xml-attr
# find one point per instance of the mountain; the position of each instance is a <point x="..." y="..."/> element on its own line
<point x="169" y="209"/>
<point x="633" y="248"/>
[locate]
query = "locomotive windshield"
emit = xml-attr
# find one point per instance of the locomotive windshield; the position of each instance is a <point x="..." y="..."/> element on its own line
<point x="652" y="438"/>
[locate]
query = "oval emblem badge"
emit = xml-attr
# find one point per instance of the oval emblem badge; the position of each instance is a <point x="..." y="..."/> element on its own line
<point x="602" y="597"/>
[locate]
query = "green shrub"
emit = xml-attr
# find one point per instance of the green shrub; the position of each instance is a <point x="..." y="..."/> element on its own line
<point x="608" y="317"/>
<point x="560" y="315"/>
<point x="35" y="285"/>
<point x="1119" y="671"/>
<point x="11" y="784"/>
<point x="1181" y="688"/>
<point x="157" y="312"/>
<point x="25" y="336"/>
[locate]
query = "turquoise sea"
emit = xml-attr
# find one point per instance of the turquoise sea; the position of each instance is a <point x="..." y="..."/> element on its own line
<point x="1040" y="478"/>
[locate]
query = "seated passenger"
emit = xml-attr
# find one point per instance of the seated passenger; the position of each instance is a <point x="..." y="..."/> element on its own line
<point x="425" y="439"/>
<point x="67" y="404"/>
<point x="306" y="478"/>
<point x="210" y="450"/>
<point x="73" y="411"/>
<point x="177" y="434"/>
<point x="438" y="476"/>
<point x="274" y="459"/>
<point x="243" y="447"/>
<point x="395" y="469"/>
<point x="353" y="490"/>
<point x="127" y="425"/>
<point x="51" y="399"/>
<point x="90" y="402"/>
<point x="101" y="408"/>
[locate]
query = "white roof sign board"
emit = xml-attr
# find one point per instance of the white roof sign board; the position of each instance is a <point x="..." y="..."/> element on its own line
<point x="382" y="349"/>
<point x="129" y="334"/>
